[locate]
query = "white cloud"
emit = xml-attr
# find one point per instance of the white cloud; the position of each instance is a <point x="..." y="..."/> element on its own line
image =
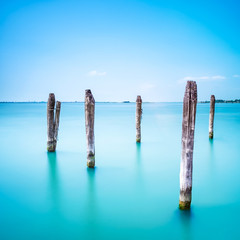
<point x="202" y="79"/>
<point x="236" y="76"/>
<point x="94" y="73"/>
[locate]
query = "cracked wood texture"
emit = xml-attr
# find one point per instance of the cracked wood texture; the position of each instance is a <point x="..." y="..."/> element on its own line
<point x="138" y="118"/>
<point x="211" y="116"/>
<point x="89" y="123"/>
<point x="52" y="123"/>
<point x="188" y="127"/>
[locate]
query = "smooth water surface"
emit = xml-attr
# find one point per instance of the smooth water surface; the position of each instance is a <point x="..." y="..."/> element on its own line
<point x="133" y="192"/>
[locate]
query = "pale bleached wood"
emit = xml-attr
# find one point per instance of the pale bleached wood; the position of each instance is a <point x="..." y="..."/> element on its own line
<point x="188" y="127"/>
<point x="211" y="116"/>
<point x="138" y="118"/>
<point x="89" y="123"/>
<point x="50" y="123"/>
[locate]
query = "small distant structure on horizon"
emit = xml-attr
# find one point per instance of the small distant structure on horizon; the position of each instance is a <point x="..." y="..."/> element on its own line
<point x="223" y="101"/>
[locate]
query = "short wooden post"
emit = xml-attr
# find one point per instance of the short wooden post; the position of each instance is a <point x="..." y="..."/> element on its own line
<point x="188" y="127"/>
<point x="52" y="124"/>
<point x="138" y="118"/>
<point x="211" y="116"/>
<point x="57" y="119"/>
<point x="89" y="122"/>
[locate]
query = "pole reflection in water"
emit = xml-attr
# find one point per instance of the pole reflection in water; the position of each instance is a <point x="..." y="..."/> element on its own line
<point x="54" y="192"/>
<point x="91" y="206"/>
<point x="212" y="157"/>
<point x="185" y="218"/>
<point x="211" y="145"/>
<point x="139" y="179"/>
<point x="138" y="152"/>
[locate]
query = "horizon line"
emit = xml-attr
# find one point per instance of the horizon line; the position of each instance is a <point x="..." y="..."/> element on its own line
<point x="126" y="102"/>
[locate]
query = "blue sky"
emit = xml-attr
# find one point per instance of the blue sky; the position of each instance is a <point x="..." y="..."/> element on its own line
<point x="119" y="49"/>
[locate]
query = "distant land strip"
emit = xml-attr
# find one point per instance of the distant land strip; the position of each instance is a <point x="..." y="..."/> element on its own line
<point x="223" y="101"/>
<point x="217" y="101"/>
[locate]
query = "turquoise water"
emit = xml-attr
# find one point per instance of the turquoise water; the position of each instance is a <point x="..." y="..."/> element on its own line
<point x="133" y="192"/>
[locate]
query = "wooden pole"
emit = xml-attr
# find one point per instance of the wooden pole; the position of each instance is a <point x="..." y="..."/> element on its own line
<point x="211" y="116"/>
<point x="52" y="124"/>
<point x="138" y="118"/>
<point x="51" y="145"/>
<point x="188" y="127"/>
<point x="89" y="122"/>
<point x="56" y="123"/>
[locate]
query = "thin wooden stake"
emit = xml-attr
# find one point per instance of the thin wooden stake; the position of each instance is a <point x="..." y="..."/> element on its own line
<point x="57" y="119"/>
<point x="188" y="127"/>
<point x="89" y="123"/>
<point x="138" y="118"/>
<point x="211" y="116"/>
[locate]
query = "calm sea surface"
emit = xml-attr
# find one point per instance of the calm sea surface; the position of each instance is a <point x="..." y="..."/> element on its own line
<point x="133" y="192"/>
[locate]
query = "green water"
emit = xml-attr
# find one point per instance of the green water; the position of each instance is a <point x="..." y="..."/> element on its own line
<point x="133" y="192"/>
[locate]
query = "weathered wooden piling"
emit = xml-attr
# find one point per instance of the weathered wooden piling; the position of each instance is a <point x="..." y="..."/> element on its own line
<point x="138" y="118"/>
<point x="52" y="123"/>
<point x="211" y="116"/>
<point x="57" y="119"/>
<point x="89" y="123"/>
<point x="188" y="127"/>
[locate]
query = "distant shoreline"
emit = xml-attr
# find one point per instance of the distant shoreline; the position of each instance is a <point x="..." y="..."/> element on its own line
<point x="223" y="101"/>
<point x="127" y="102"/>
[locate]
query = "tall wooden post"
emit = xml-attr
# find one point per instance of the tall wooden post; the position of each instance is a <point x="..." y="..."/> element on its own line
<point x="188" y="127"/>
<point x="211" y="116"/>
<point x="52" y="124"/>
<point x="138" y="118"/>
<point x="89" y="122"/>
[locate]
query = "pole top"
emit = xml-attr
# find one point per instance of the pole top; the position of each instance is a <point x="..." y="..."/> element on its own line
<point x="88" y="96"/>
<point x="58" y="104"/>
<point x="191" y="91"/>
<point x="139" y="99"/>
<point x="191" y="82"/>
<point x="88" y="91"/>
